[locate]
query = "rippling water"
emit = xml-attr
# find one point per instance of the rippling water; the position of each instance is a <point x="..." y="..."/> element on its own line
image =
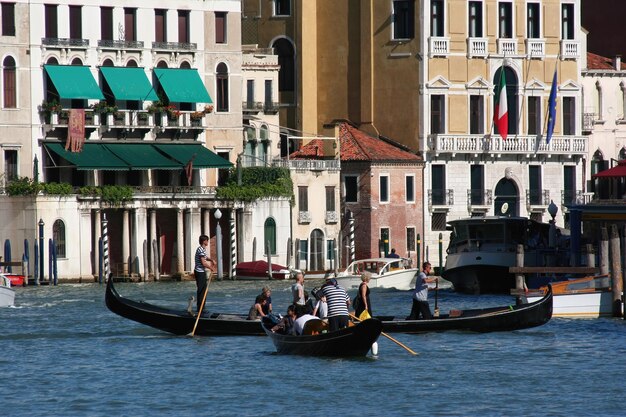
<point x="65" y="354"/>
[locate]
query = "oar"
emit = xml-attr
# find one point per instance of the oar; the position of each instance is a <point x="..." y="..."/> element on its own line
<point x="202" y="305"/>
<point x="389" y="337"/>
<point x="436" y="297"/>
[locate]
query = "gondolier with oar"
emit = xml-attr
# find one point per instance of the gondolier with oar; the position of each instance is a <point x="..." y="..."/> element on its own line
<point x="202" y="263"/>
<point x="420" y="294"/>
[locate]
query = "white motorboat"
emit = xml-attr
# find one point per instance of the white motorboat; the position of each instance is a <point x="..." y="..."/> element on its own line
<point x="384" y="273"/>
<point x="7" y="295"/>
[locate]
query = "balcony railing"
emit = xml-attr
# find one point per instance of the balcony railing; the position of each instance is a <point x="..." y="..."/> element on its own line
<point x="477" y="47"/>
<point x="252" y="106"/>
<point x="119" y="44"/>
<point x="441" y="198"/>
<point x="304" y="217"/>
<point x="332" y="217"/>
<point x="174" y="46"/>
<point x="537" y="199"/>
<point x="535" y="48"/>
<point x="479" y="200"/>
<point x="271" y="107"/>
<point x="570" y="49"/>
<point x="65" y="42"/>
<point x="574" y="197"/>
<point x="566" y="145"/>
<point x="507" y="46"/>
<point x="309" y="164"/>
<point x="438" y="46"/>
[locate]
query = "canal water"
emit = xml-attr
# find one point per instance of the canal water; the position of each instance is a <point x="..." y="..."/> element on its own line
<point x="64" y="354"/>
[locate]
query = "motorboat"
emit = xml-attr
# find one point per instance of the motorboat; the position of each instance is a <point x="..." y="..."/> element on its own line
<point x="259" y="270"/>
<point x="7" y="295"/>
<point x="482" y="249"/>
<point x="383" y="273"/>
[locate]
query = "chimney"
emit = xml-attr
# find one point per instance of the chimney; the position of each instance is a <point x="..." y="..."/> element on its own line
<point x="618" y="62"/>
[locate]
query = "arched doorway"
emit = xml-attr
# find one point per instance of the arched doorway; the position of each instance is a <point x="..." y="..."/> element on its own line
<point x="316" y="250"/>
<point x="506" y="202"/>
<point x="511" y="97"/>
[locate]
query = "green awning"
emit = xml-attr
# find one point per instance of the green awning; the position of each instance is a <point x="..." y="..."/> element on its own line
<point x="129" y="83"/>
<point x="73" y="81"/>
<point x="93" y="156"/>
<point x="182" y="85"/>
<point x="141" y="156"/>
<point x="203" y="158"/>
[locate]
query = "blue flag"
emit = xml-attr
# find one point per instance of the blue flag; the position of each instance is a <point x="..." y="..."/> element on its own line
<point x="551" y="109"/>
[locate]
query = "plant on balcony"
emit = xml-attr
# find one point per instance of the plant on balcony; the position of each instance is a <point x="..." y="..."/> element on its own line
<point x="256" y="183"/>
<point x="115" y="195"/>
<point x="208" y="109"/>
<point x="22" y="186"/>
<point x="196" y="115"/>
<point x="155" y="107"/>
<point x="172" y="112"/>
<point x="103" y="107"/>
<point x="48" y="107"/>
<point x="55" y="188"/>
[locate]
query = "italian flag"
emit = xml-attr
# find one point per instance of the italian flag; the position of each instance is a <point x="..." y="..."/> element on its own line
<point x="500" y="110"/>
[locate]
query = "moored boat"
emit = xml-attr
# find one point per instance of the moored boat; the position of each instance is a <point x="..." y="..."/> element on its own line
<point x="180" y="322"/>
<point x="504" y="318"/>
<point x="383" y="272"/>
<point x="16" y="280"/>
<point x="259" y="270"/>
<point x="7" y="295"/>
<point x="355" y="340"/>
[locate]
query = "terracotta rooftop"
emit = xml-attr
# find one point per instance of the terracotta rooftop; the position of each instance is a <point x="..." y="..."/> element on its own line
<point x="356" y="145"/>
<point x="597" y="62"/>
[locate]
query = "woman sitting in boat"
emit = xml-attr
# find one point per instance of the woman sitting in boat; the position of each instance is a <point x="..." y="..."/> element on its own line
<point x="256" y="311"/>
<point x="285" y="326"/>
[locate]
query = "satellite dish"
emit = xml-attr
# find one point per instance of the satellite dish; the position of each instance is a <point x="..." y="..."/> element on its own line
<point x="504" y="208"/>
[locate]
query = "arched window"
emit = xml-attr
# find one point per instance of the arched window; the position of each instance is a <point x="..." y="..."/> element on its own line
<point x="132" y="63"/>
<point x="161" y="64"/>
<point x="222" y="87"/>
<point x="269" y="235"/>
<point x="622" y="154"/>
<point x="264" y="133"/>
<point x="185" y="65"/>
<point x="77" y="61"/>
<point x="286" y="60"/>
<point x="511" y="98"/>
<point x="108" y="63"/>
<point x="506" y="202"/>
<point x="598" y="100"/>
<point x="58" y="235"/>
<point x="9" y="83"/>
<point x="316" y="251"/>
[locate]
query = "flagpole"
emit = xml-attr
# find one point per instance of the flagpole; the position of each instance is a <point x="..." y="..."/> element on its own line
<point x="545" y="121"/>
<point x="496" y="84"/>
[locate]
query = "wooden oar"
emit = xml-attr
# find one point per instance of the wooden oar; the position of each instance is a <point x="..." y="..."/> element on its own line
<point x="193" y="332"/>
<point x="436" y="297"/>
<point x="390" y="338"/>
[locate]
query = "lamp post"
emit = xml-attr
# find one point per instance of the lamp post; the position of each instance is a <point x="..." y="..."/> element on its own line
<point x="218" y="243"/>
<point x="41" y="265"/>
<point x="552" y="210"/>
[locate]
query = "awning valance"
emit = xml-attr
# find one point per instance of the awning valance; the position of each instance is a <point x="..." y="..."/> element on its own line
<point x="202" y="157"/>
<point x="182" y="85"/>
<point x="74" y="82"/>
<point x="129" y="83"/>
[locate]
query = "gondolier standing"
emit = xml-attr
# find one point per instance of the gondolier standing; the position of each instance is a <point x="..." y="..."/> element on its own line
<point x="202" y="263"/>
<point x="420" y="295"/>
<point x="338" y="302"/>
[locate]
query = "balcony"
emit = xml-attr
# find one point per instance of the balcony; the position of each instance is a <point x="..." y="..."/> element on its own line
<point x="174" y="46"/>
<point x="438" y="46"/>
<point x="507" y="46"/>
<point x="271" y="107"/>
<point x="570" y="49"/>
<point x="303" y="165"/>
<point x="304" y="217"/>
<point x="68" y="43"/>
<point x="574" y="197"/>
<point x="477" y="47"/>
<point x="537" y="201"/>
<point x="332" y="217"/>
<point x="440" y="200"/>
<point x="119" y="44"/>
<point x="479" y="200"/>
<point x="496" y="146"/>
<point x="535" y="48"/>
<point x="252" y="106"/>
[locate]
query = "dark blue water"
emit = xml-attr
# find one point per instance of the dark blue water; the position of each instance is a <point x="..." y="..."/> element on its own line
<point x="65" y="354"/>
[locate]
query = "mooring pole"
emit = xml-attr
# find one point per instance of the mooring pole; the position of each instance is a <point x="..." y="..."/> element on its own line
<point x="616" y="272"/>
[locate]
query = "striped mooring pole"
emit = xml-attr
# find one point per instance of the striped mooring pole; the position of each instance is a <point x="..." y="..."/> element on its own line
<point x="105" y="247"/>
<point x="351" y="237"/>
<point x="233" y="246"/>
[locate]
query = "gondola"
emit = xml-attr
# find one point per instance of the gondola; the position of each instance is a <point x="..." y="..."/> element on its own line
<point x="356" y="340"/>
<point x="495" y="319"/>
<point x="180" y="322"/>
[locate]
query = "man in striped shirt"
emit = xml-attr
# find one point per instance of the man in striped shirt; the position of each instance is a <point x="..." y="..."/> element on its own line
<point x="338" y="301"/>
<point x="202" y="261"/>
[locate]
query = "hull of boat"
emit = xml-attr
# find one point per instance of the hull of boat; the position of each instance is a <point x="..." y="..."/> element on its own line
<point x="400" y="280"/>
<point x="7" y="297"/>
<point x="481" y="279"/>
<point x="581" y="305"/>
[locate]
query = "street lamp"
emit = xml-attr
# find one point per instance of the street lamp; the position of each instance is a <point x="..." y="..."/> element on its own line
<point x="218" y="243"/>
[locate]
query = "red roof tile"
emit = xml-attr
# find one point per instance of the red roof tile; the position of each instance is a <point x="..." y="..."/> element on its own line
<point x="357" y="145"/>
<point x="597" y="62"/>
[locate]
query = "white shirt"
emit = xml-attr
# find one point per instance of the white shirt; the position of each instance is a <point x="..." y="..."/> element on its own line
<point x="298" y="325"/>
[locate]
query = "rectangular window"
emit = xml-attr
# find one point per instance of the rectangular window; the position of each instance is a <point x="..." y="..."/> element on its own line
<point x="330" y="249"/>
<point x="438" y="184"/>
<point x="533" y="27"/>
<point x="351" y="188"/>
<point x="438" y="222"/>
<point x="220" y="27"/>
<point x="534" y="184"/>
<point x="249" y="93"/>
<point x="106" y="23"/>
<point x="534" y="115"/>
<point x="160" y="25"/>
<point x="50" y="13"/>
<point x="569" y="116"/>
<point x="282" y="7"/>
<point x="303" y="198"/>
<point x="410" y="239"/>
<point x="222" y="174"/>
<point x="8" y="19"/>
<point x="10" y="164"/>
<point x="569" y="184"/>
<point x="304" y="249"/>
<point x="403" y="19"/>
<point x="410" y="188"/>
<point x="505" y="20"/>
<point x="436" y="18"/>
<point x="477" y="182"/>
<point x="437" y="114"/>
<point x="130" y="24"/>
<point x="567" y="21"/>
<point x="477" y="115"/>
<point x="268" y="94"/>
<point x="183" y="26"/>
<point x="384" y="188"/>
<point x="330" y="199"/>
<point x="384" y="240"/>
<point x="76" y="22"/>
<point x="475" y="16"/>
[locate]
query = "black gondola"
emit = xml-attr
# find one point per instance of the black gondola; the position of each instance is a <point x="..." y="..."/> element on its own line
<point x="495" y="319"/>
<point x="180" y="322"/>
<point x="356" y="340"/>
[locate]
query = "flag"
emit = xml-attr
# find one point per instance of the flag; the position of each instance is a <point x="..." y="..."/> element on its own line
<point x="189" y="170"/>
<point x="500" y="110"/>
<point x="75" y="130"/>
<point x="551" y="109"/>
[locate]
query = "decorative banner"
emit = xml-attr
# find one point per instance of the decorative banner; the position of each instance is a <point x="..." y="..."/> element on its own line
<point x="75" y="130"/>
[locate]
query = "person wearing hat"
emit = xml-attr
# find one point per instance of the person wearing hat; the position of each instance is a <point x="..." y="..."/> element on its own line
<point x="338" y="301"/>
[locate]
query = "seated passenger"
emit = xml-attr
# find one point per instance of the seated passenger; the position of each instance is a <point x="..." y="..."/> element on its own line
<point x="298" y="325"/>
<point x="286" y="324"/>
<point x="256" y="311"/>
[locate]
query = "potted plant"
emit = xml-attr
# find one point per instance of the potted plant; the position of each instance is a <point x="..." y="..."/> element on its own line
<point x="48" y="107"/>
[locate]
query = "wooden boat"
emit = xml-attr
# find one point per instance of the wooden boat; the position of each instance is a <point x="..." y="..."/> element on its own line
<point x="256" y="270"/>
<point x="16" y="280"/>
<point x="179" y="322"/>
<point x="384" y="273"/>
<point x="588" y="297"/>
<point x="507" y="318"/>
<point x="356" y="340"/>
<point x="7" y="295"/>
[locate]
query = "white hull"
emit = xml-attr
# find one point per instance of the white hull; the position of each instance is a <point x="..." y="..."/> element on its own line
<point x="7" y="297"/>
<point x="580" y="305"/>
<point x="400" y="280"/>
